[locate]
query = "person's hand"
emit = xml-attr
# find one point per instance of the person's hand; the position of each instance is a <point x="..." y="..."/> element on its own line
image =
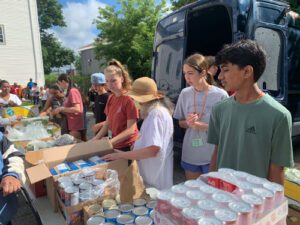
<point x="19" y="117"/>
<point x="191" y="119"/>
<point x="112" y="156"/>
<point x="57" y="110"/>
<point x="10" y="184"/>
<point x="97" y="127"/>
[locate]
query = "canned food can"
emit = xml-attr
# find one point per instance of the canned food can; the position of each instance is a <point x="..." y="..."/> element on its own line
<point x="111" y="215"/>
<point x="61" y="189"/>
<point x="242" y="175"/>
<point x="226" y="170"/>
<point x="152" y="214"/>
<point x="222" y="198"/>
<point x="64" y="179"/>
<point x="78" y="181"/>
<point x="244" y="210"/>
<point x="195" y="196"/>
<point x="89" y="175"/>
<point x="180" y="189"/>
<point x="227" y="216"/>
<point x="70" y="195"/>
<point x="268" y="197"/>
<point x="256" y="202"/>
<point x="151" y="204"/>
<point x="126" y="208"/>
<point x="140" y="211"/>
<point x="209" y="221"/>
<point x="85" y="196"/>
<point x="76" y="176"/>
<point x="178" y="204"/>
<point x="95" y="209"/>
<point x="163" y="201"/>
<point x="125" y="219"/>
<point x="109" y="204"/>
<point x="85" y="187"/>
<point x="256" y="180"/>
<point x="208" y="206"/>
<point x="192" y="215"/>
<point x="143" y="220"/>
<point x="277" y="189"/>
<point x="194" y="184"/>
<point x="95" y="220"/>
<point x="139" y="202"/>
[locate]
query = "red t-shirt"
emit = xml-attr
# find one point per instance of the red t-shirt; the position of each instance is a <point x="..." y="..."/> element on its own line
<point x="118" y="110"/>
<point x="75" y="120"/>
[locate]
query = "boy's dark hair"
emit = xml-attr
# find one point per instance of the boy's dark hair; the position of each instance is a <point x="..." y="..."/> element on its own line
<point x="244" y="53"/>
<point x="3" y="82"/>
<point x="56" y="87"/>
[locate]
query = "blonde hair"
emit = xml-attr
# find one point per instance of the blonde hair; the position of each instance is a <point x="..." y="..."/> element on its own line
<point x="199" y="63"/>
<point x="163" y="102"/>
<point x="115" y="67"/>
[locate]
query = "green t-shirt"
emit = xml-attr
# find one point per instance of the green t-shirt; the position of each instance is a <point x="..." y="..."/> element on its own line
<point x="250" y="136"/>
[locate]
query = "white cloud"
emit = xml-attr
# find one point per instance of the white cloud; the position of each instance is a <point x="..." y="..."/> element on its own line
<point x="79" y="18"/>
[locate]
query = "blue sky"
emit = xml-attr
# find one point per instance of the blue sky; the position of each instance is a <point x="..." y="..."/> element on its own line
<point x="79" y="16"/>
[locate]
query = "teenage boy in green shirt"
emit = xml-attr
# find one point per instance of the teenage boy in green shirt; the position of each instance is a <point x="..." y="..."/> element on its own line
<point x="251" y="131"/>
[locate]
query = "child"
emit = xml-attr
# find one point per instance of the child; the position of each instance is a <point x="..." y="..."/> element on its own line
<point x="250" y="130"/>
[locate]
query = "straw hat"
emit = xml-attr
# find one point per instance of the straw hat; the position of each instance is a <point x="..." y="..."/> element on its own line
<point x="144" y="90"/>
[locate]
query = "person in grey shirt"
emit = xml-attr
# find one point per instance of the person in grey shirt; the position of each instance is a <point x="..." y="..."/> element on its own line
<point x="193" y="110"/>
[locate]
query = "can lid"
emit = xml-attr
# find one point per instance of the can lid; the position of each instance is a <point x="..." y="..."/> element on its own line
<point x="262" y="192"/>
<point x="273" y="187"/>
<point x="245" y="185"/>
<point x="221" y="197"/>
<point x="125" y="219"/>
<point x="242" y="207"/>
<point x="143" y="220"/>
<point x="180" y="202"/>
<point x="194" y="213"/>
<point x="165" y="195"/>
<point x="151" y="204"/>
<point x="140" y="211"/>
<point x="207" y="204"/>
<point x="193" y="183"/>
<point x="179" y="188"/>
<point x="139" y="202"/>
<point x="95" y="220"/>
<point x="255" y="180"/>
<point x="241" y="174"/>
<point x="252" y="199"/>
<point x="209" y="221"/>
<point x="195" y="195"/>
<point x="111" y="213"/>
<point x="226" y="215"/>
<point x="208" y="189"/>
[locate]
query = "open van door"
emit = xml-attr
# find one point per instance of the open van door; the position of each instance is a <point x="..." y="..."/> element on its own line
<point x="270" y="31"/>
<point x="168" y="51"/>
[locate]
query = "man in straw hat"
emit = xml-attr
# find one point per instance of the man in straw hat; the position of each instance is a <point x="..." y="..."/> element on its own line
<point x="154" y="147"/>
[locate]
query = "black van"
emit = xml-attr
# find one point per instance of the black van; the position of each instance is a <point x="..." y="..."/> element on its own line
<point x="206" y="25"/>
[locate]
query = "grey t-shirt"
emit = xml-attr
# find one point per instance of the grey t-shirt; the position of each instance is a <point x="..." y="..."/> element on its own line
<point x="185" y="105"/>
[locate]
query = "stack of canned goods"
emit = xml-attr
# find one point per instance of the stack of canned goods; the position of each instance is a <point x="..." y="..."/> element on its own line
<point x="195" y="202"/>
<point x="139" y="213"/>
<point x="80" y="187"/>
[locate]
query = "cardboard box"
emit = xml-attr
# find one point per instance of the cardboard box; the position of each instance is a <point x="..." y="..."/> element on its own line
<point x="41" y="161"/>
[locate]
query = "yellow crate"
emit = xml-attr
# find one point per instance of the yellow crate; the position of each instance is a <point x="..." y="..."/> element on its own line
<point x="292" y="190"/>
<point x="26" y="111"/>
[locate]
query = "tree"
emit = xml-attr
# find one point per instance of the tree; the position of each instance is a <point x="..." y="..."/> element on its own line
<point x="295" y="5"/>
<point x="176" y="4"/>
<point x="127" y="34"/>
<point x="54" y="54"/>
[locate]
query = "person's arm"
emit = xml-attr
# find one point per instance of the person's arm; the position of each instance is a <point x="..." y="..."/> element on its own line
<point x="183" y="124"/>
<point x="13" y="170"/>
<point x="276" y="174"/>
<point x="143" y="153"/>
<point x="131" y="127"/>
<point x="75" y="108"/>
<point x="213" y="162"/>
<point x="103" y="132"/>
<point x="47" y="105"/>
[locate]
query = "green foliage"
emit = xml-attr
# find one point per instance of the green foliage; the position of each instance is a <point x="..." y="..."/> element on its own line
<point x="176" y="4"/>
<point x="127" y="34"/>
<point x="50" y="79"/>
<point x="54" y="54"/>
<point x="50" y="14"/>
<point x="78" y="64"/>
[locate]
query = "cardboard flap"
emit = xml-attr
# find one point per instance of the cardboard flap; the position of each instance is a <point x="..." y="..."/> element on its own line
<point x="68" y="151"/>
<point x="38" y="173"/>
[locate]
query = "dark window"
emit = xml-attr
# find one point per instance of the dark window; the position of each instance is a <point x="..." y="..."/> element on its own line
<point x="2" y="37"/>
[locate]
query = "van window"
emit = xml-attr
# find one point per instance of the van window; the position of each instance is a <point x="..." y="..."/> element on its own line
<point x="270" y="40"/>
<point x="169" y="67"/>
<point x="269" y="15"/>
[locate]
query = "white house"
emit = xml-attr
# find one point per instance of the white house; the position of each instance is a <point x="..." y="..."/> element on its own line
<point x="20" y="44"/>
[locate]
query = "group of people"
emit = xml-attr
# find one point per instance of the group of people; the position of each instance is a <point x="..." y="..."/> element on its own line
<point x="247" y="131"/>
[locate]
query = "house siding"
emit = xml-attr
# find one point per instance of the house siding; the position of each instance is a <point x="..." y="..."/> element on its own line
<point x="21" y="55"/>
<point x="89" y="63"/>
